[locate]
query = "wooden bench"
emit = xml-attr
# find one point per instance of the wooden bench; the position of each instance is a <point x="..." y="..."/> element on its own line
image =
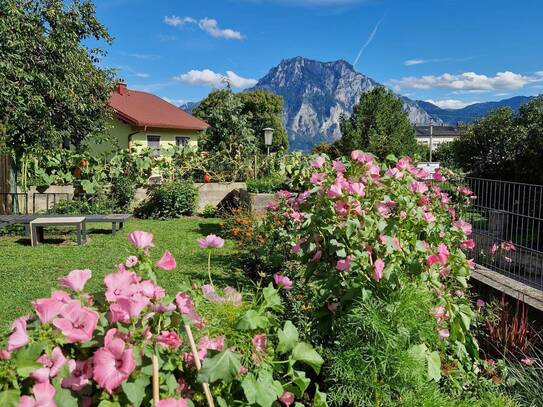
<point x="37" y="226"/>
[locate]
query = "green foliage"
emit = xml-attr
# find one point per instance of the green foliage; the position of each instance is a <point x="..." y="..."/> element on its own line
<point x="170" y="200"/>
<point x="123" y="191"/>
<point x="52" y="88"/>
<point x="210" y="211"/>
<point x="265" y="185"/>
<point x="378" y="125"/>
<point x="265" y="109"/>
<point x="99" y="204"/>
<point x="502" y="145"/>
<point x="229" y="132"/>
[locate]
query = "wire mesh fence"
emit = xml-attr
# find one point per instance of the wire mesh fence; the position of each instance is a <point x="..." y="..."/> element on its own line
<point x="507" y="219"/>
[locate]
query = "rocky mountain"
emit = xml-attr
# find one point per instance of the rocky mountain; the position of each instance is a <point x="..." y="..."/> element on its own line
<point x="316" y="94"/>
<point x="472" y="112"/>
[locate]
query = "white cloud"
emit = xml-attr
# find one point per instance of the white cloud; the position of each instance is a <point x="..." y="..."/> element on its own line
<point x="468" y="82"/>
<point x="142" y="56"/>
<point x="176" y="102"/>
<point x="410" y="62"/>
<point x="175" y="21"/>
<point x="450" y="103"/>
<point x="210" y="78"/>
<point x="208" y="25"/>
<point x="211" y="26"/>
<point x="131" y="71"/>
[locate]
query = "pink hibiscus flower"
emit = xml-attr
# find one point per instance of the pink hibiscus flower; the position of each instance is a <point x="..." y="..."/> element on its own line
<point x="318" y="162"/>
<point x="44" y="395"/>
<point x="19" y="336"/>
<point x="344" y="264"/>
<point x="287" y="398"/>
<point x="463" y="226"/>
<point x="317" y="178"/>
<point x="76" y="280"/>
<point x="378" y="267"/>
<point x="211" y="242"/>
<point x="260" y="342"/>
<point x="186" y="307"/>
<point x="47" y="309"/>
<point x="418" y="187"/>
<point x="167" y="261"/>
<point x="141" y="240"/>
<point x="338" y="166"/>
<point x="283" y="281"/>
<point x="172" y="403"/>
<point x="120" y="284"/>
<point x="80" y="375"/>
<point x="113" y="363"/>
<point x="169" y="339"/>
<point x="50" y="367"/>
<point x="76" y="323"/>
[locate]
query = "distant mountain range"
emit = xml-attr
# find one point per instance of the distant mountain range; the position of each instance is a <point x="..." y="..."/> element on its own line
<point x="316" y="94"/>
<point x="472" y="112"/>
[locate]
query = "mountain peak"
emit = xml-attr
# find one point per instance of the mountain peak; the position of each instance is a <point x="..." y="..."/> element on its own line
<point x="316" y="94"/>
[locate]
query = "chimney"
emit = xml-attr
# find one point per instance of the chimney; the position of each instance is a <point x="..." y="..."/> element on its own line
<point x="120" y="88"/>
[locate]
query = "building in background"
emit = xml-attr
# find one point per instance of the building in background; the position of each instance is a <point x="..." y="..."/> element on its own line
<point x="142" y="120"/>
<point x="437" y="134"/>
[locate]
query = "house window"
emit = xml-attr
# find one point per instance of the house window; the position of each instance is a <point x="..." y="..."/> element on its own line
<point x="153" y="142"/>
<point x="181" y="141"/>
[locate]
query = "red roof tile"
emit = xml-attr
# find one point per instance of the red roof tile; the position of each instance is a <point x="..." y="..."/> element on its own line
<point x="143" y="109"/>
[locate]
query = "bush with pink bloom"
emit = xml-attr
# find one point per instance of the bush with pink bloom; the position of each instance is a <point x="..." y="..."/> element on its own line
<point x="108" y="349"/>
<point x="374" y="232"/>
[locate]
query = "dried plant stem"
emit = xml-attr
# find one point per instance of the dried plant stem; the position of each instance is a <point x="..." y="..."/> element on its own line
<point x="156" y="388"/>
<point x="207" y="391"/>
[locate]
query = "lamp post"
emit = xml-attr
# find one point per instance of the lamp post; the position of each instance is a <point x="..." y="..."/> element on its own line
<point x="268" y="138"/>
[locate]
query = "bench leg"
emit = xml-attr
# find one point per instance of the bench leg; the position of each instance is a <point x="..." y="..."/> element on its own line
<point x="27" y="230"/>
<point x="84" y="232"/>
<point x="113" y="228"/>
<point x="78" y="232"/>
<point x="36" y="235"/>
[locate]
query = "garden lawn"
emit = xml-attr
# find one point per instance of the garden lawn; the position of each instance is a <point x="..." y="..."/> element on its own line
<point x="29" y="272"/>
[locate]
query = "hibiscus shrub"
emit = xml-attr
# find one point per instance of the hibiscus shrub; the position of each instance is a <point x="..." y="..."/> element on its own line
<point x="133" y="342"/>
<point x="368" y="236"/>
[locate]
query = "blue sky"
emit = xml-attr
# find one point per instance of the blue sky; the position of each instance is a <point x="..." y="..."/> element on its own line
<point x="453" y="52"/>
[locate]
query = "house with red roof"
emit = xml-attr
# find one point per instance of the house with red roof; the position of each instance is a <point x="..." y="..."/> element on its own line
<point x="142" y="119"/>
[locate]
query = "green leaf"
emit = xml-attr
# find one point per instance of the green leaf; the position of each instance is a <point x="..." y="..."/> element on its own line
<point x="434" y="366"/>
<point x="107" y="403"/>
<point x="320" y="398"/>
<point x="272" y="298"/>
<point x="64" y="397"/>
<point x="221" y="402"/>
<point x="263" y="391"/>
<point x="223" y="366"/>
<point x="301" y="381"/>
<point x="135" y="391"/>
<point x="25" y="367"/>
<point x="288" y="337"/>
<point x="304" y="352"/>
<point x="252" y="320"/>
<point x="9" y="398"/>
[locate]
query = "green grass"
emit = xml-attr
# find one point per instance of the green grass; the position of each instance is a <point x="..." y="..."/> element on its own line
<point x="29" y="272"/>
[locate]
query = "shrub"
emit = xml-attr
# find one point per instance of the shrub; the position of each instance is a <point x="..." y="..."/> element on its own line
<point x="123" y="191"/>
<point x="98" y="204"/>
<point x="170" y="200"/>
<point x="265" y="185"/>
<point x="209" y="211"/>
<point x="367" y="235"/>
<point x="118" y="347"/>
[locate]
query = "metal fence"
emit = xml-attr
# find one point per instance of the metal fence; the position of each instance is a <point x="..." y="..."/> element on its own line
<point x="23" y="204"/>
<point x="507" y="212"/>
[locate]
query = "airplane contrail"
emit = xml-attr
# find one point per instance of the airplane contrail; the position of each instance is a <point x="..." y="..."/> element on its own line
<point x="370" y="39"/>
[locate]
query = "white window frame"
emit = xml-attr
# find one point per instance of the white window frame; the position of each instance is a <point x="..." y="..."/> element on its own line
<point x="186" y="138"/>
<point x="155" y="150"/>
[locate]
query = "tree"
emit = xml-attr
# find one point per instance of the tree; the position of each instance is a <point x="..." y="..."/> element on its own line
<point x="229" y="130"/>
<point x="378" y="125"/>
<point x="491" y="146"/>
<point x="264" y="109"/>
<point x="51" y="89"/>
<point x="530" y="117"/>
